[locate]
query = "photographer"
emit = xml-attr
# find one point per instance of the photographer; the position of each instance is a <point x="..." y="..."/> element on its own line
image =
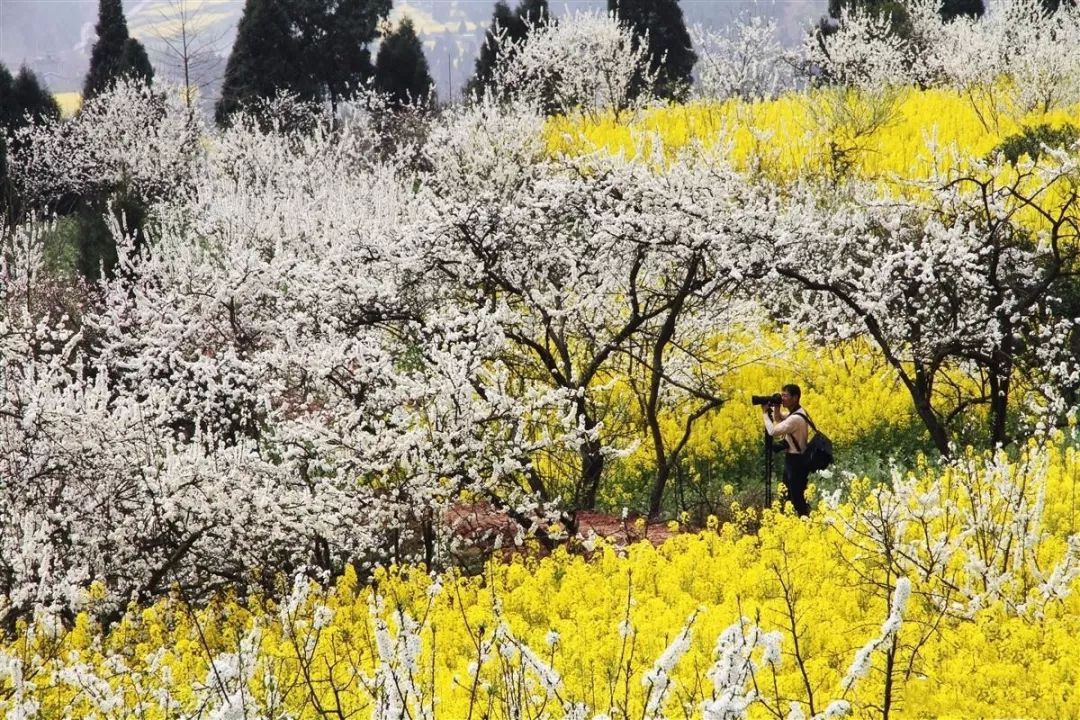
<point x="794" y="429"/>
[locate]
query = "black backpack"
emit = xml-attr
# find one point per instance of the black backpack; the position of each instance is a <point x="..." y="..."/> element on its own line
<point x="818" y="454"/>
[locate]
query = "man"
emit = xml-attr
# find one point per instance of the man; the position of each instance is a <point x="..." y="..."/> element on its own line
<point x="795" y="431"/>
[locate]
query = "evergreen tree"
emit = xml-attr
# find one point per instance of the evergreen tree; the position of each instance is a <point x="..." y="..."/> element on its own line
<point x="515" y="26"/>
<point x="115" y="53"/>
<point x="7" y="116"/>
<point x="22" y="100"/>
<point x="401" y="70"/>
<point x="484" y="69"/>
<point x="33" y="99"/>
<point x="136" y="62"/>
<point x="340" y="60"/>
<point x="8" y="109"/>
<point x="670" y="50"/>
<point x="314" y="49"/>
<point x="951" y="9"/>
<point x="3" y="172"/>
<point x="263" y="58"/>
<point x="899" y="17"/>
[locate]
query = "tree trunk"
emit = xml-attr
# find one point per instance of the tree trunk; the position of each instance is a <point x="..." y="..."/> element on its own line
<point x="1000" y="378"/>
<point x="592" y="468"/>
<point x="921" y="393"/>
<point x="656" y="497"/>
<point x="664" y="460"/>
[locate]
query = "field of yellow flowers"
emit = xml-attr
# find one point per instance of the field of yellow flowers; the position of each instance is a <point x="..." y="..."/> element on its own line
<point x="901" y="133"/>
<point x="894" y="600"/>
<point x="847" y="389"/>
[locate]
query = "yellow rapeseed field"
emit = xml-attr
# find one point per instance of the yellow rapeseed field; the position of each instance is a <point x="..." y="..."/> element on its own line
<point x="986" y="632"/>
<point x="907" y="134"/>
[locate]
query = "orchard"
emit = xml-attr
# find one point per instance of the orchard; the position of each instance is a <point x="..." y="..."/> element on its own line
<point x="253" y="376"/>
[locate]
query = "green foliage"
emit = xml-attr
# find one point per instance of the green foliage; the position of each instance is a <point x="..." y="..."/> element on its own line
<point x="3" y="168"/>
<point x="901" y="18"/>
<point x="702" y="485"/>
<point x="115" y="54"/>
<point x="7" y="113"/>
<point x="1033" y="139"/>
<point x="60" y="244"/>
<point x="24" y="100"/>
<point x="1068" y="305"/>
<point x="897" y="12"/>
<point x="313" y="49"/>
<point x="516" y="26"/>
<point x="81" y="240"/>
<point x="95" y="248"/>
<point x="401" y="70"/>
<point x="670" y="50"/>
<point x="342" y="61"/>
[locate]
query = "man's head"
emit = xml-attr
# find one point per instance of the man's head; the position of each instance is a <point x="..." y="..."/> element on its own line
<point x="789" y="396"/>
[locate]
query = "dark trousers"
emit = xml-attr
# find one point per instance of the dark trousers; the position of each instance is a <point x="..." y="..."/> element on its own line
<point x="795" y="479"/>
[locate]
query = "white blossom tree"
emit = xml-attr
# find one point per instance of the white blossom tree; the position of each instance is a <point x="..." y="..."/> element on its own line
<point x="132" y="139"/>
<point x="957" y="283"/>
<point x="586" y="62"/>
<point x="595" y="263"/>
<point x="860" y="50"/>
<point x="744" y="59"/>
<point x="319" y="341"/>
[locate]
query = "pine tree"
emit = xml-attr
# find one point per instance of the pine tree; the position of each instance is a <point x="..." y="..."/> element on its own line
<point x="951" y="9"/>
<point x="484" y="69"/>
<point x="8" y="108"/>
<point x="115" y="53"/>
<point x="263" y="59"/>
<point x="314" y="49"/>
<point x="670" y="50"/>
<point x="8" y="112"/>
<point x="342" y="62"/>
<point x="33" y="99"/>
<point x="516" y="26"/>
<point x="136" y="62"/>
<point x="3" y="172"/>
<point x="401" y="70"/>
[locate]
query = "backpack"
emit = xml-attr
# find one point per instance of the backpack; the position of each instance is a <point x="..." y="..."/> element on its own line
<point x="818" y="453"/>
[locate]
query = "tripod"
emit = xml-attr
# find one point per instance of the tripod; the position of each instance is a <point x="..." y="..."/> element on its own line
<point x="768" y="446"/>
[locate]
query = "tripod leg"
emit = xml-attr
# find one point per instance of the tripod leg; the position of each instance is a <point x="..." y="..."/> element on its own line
<point x="768" y="469"/>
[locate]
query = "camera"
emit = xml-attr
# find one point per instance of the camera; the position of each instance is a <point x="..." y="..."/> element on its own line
<point x="773" y="400"/>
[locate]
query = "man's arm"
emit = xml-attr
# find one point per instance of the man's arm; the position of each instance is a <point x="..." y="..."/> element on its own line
<point x="782" y="427"/>
<point x="771" y="423"/>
